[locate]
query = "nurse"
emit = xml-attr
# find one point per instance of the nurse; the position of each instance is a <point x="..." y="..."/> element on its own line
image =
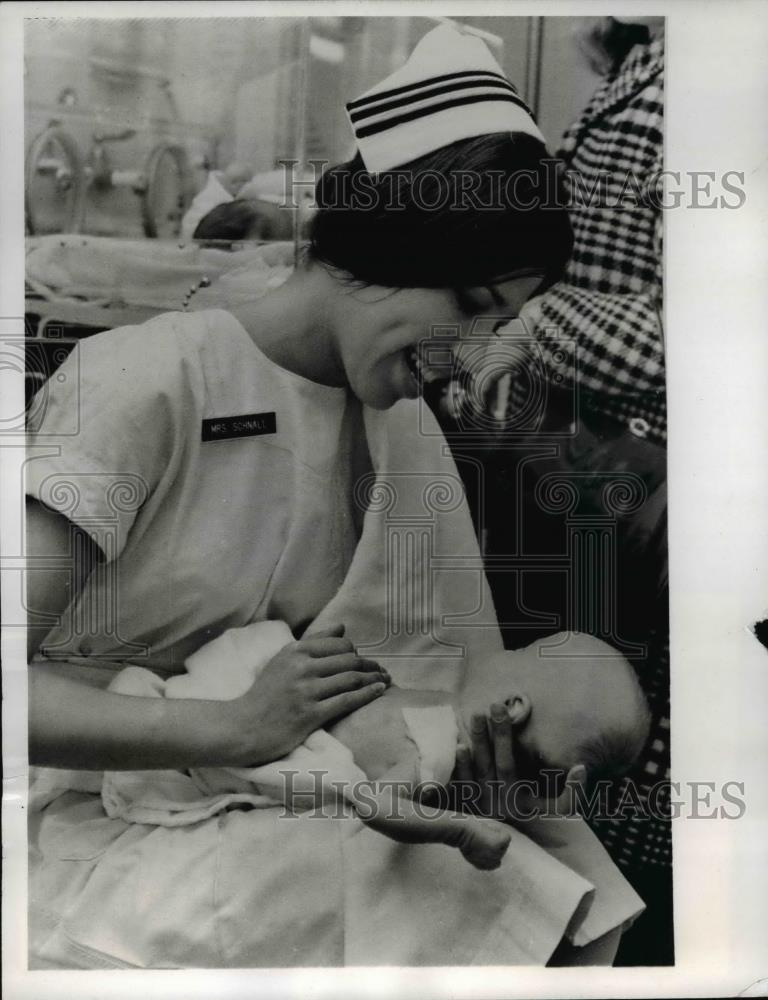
<point x="197" y="472"/>
<point x="233" y="432"/>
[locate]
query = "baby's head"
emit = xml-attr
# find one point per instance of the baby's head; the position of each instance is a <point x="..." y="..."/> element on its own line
<point x="573" y="701"/>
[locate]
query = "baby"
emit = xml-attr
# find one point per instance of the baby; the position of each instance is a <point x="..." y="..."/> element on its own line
<point x="570" y="703"/>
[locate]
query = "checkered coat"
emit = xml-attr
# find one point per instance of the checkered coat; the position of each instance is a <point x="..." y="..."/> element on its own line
<point x="609" y="304"/>
<point x="609" y="308"/>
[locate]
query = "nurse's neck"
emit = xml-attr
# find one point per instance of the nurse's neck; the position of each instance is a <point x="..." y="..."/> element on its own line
<point x="291" y="325"/>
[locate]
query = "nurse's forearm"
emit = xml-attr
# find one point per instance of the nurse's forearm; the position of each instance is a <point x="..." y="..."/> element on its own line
<point x="79" y="725"/>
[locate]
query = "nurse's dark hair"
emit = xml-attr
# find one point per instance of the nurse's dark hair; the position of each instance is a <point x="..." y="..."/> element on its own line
<point x="468" y="213"/>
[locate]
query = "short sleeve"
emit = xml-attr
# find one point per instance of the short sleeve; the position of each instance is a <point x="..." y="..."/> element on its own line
<point x="111" y="424"/>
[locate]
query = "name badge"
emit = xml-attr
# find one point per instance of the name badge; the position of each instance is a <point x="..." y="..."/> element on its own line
<point x="246" y="425"/>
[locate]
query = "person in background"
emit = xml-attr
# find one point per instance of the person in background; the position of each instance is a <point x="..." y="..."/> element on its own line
<point x="609" y="302"/>
<point x="221" y="187"/>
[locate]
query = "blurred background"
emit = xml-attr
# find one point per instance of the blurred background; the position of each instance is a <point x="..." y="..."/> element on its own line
<point x="126" y="119"/>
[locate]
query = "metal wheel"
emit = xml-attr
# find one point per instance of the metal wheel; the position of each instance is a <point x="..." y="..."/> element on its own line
<point x="54" y="183"/>
<point x="166" y="195"/>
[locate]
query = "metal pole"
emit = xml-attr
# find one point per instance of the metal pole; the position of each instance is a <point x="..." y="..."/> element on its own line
<point x="533" y="63"/>
<point x="402" y="35"/>
<point x="300" y="124"/>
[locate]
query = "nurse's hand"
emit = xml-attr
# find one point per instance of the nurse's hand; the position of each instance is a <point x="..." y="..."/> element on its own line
<point x="305" y="686"/>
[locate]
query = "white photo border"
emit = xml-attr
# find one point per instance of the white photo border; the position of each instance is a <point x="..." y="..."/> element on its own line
<point x="717" y="341"/>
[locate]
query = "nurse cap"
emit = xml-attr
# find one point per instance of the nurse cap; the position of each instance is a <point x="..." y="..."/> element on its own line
<point x="451" y="88"/>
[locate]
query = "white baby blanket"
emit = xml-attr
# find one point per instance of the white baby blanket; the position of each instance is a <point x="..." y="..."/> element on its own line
<point x="152" y="274"/>
<point x="221" y="670"/>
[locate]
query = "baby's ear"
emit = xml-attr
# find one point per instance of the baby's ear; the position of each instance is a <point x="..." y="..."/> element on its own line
<point x="519" y="708"/>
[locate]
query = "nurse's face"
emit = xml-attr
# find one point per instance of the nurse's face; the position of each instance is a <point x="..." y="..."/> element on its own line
<point x="379" y="330"/>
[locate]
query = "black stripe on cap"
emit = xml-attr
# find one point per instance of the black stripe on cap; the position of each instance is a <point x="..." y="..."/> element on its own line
<point x="458" y="102"/>
<point x="429" y="82"/>
<point x="449" y="88"/>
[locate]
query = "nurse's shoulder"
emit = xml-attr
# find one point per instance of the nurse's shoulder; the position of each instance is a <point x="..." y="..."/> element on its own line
<point x="165" y="362"/>
<point x="132" y="399"/>
<point x="159" y="347"/>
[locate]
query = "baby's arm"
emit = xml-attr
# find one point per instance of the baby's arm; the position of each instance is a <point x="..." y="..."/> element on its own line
<point x="378" y="738"/>
<point x="387" y="807"/>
